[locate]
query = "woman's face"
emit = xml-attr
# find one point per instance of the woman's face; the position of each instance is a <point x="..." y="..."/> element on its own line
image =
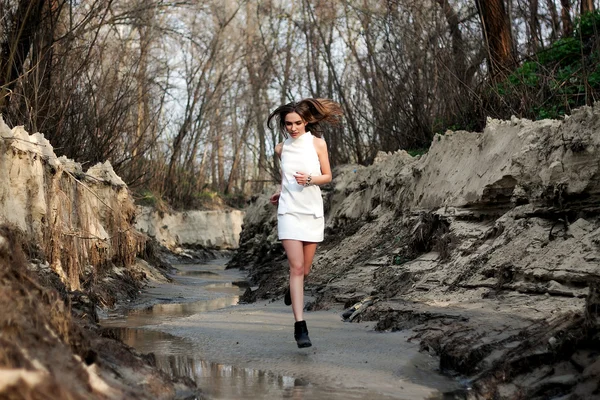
<point x="295" y="125"/>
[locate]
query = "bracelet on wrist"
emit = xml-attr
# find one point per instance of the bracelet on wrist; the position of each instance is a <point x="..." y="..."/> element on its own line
<point x="308" y="180"/>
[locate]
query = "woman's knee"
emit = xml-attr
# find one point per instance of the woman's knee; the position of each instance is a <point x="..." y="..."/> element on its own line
<point x="296" y="268"/>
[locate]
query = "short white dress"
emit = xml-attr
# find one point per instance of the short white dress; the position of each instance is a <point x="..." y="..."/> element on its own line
<point x="300" y="210"/>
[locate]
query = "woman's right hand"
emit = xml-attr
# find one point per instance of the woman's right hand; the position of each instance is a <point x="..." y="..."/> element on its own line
<point x="275" y="198"/>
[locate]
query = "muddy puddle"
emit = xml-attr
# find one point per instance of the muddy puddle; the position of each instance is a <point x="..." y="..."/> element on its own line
<point x="196" y="329"/>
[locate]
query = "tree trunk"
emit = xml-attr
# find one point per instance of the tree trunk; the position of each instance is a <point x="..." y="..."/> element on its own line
<point x="220" y="161"/>
<point x="213" y="167"/>
<point x="554" y="18"/>
<point x="458" y="46"/>
<point x="287" y="68"/>
<point x="16" y="48"/>
<point x="262" y="138"/>
<point x="497" y="36"/>
<point x="565" y="16"/>
<point x="534" y="26"/>
<point x="42" y="56"/>
<point x="256" y="76"/>
<point x="201" y="180"/>
<point x="239" y="144"/>
<point x="142" y="98"/>
<point x="587" y="6"/>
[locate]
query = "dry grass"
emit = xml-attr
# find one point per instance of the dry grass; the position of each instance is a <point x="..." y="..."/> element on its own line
<point x="37" y="332"/>
<point x="75" y="212"/>
<point x="45" y="349"/>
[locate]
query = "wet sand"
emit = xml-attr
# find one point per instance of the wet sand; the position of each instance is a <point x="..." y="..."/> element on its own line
<point x="210" y="339"/>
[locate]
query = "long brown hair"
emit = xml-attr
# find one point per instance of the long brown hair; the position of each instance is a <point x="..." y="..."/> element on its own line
<point x="314" y="112"/>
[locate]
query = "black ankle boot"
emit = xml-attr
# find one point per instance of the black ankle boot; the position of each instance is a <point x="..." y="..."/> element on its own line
<point x="301" y="334"/>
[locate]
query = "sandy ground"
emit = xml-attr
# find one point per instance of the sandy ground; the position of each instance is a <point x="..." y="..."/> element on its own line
<point x="347" y="360"/>
<point x="346" y="356"/>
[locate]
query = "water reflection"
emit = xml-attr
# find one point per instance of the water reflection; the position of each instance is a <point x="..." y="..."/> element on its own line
<point x="148" y="341"/>
<point x="161" y="312"/>
<point x="201" y="273"/>
<point x="220" y="381"/>
<point x="219" y="286"/>
<point x="187" y="309"/>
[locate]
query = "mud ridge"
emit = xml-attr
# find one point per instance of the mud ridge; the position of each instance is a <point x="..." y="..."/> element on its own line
<point x="487" y="247"/>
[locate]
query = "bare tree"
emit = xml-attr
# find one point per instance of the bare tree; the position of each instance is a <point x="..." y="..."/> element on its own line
<point x="175" y="94"/>
<point x="22" y="24"/>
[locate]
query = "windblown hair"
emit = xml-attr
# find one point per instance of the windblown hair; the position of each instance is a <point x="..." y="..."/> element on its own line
<point x="314" y="112"/>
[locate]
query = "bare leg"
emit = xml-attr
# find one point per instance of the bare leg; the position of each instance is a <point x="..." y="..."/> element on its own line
<point x="294" y="250"/>
<point x="309" y="253"/>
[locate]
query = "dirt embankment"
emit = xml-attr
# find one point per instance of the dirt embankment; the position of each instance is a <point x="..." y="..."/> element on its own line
<point x="217" y="228"/>
<point x="68" y="246"/>
<point x="52" y="347"/>
<point x="488" y="247"/>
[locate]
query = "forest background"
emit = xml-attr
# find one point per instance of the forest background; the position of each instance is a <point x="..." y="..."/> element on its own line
<point x="175" y="94"/>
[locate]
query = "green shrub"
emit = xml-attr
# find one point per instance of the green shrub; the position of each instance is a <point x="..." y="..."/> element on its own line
<point x="417" y="152"/>
<point x="564" y="76"/>
<point x="146" y="198"/>
<point x="588" y="26"/>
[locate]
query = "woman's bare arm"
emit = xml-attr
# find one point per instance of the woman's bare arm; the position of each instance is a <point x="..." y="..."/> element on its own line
<point x="275" y="197"/>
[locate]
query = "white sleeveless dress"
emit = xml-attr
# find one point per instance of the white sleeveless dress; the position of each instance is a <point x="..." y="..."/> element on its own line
<point x="300" y="210"/>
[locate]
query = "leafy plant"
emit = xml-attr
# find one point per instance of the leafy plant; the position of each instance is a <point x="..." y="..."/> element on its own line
<point x="417" y="152"/>
<point x="556" y="80"/>
<point x="146" y="198"/>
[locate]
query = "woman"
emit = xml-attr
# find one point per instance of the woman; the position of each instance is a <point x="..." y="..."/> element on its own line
<point x="304" y="166"/>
